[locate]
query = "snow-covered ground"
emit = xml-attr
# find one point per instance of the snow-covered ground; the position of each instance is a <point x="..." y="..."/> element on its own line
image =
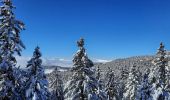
<point x="47" y="71"/>
<point x="50" y="70"/>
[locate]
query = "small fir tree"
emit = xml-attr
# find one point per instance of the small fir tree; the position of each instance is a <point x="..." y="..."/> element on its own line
<point x="145" y="92"/>
<point x="83" y="84"/>
<point x="112" y="87"/>
<point x="57" y="86"/>
<point x="123" y="79"/>
<point x="100" y="92"/>
<point x="132" y="85"/>
<point x="37" y="84"/>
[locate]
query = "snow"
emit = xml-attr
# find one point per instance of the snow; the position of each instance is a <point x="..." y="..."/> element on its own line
<point x="62" y="70"/>
<point x="48" y="71"/>
<point x="35" y="96"/>
<point x="83" y="80"/>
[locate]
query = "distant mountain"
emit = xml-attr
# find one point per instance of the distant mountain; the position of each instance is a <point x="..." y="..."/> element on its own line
<point x="50" y="69"/>
<point x="141" y="62"/>
<point x="52" y="62"/>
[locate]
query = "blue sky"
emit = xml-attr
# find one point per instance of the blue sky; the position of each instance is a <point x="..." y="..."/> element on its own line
<point x="111" y="28"/>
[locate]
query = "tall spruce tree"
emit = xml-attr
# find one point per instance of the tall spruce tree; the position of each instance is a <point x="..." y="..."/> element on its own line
<point x="162" y="63"/>
<point x="37" y="84"/>
<point x="83" y="85"/>
<point x="112" y="87"/>
<point x="10" y="44"/>
<point x="131" y="88"/>
<point x="161" y="73"/>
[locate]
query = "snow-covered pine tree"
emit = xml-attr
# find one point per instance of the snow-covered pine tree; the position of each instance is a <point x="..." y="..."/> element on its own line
<point x="20" y="75"/>
<point x="37" y="84"/>
<point x="161" y="73"/>
<point x="145" y="90"/>
<point x="83" y="85"/>
<point x="131" y="87"/>
<point x="57" y="86"/>
<point x="123" y="78"/>
<point x="139" y="73"/>
<point x="112" y="87"/>
<point x="100" y="92"/>
<point x="10" y="44"/>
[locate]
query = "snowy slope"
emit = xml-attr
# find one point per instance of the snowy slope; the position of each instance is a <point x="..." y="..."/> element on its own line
<point x="140" y="61"/>
<point x="50" y="69"/>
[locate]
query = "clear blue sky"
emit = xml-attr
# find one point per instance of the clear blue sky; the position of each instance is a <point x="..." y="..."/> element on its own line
<point x="111" y="28"/>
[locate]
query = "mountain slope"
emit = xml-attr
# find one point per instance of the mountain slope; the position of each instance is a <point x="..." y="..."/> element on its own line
<point x="141" y="62"/>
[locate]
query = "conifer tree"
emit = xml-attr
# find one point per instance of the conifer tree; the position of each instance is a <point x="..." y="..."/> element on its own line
<point x="161" y="62"/>
<point x="161" y="73"/>
<point x="83" y="85"/>
<point x="131" y="88"/>
<point x="100" y="92"/>
<point x="10" y="44"/>
<point x="57" y="86"/>
<point x="37" y="84"/>
<point x="123" y="79"/>
<point x="112" y="87"/>
<point x="145" y="90"/>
